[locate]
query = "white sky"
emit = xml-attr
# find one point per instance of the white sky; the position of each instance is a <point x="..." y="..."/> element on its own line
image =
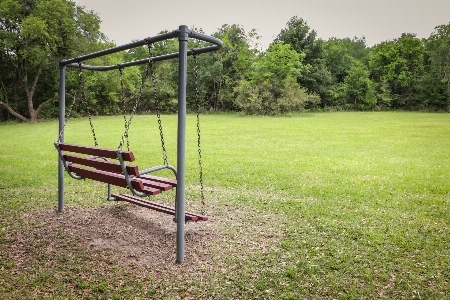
<point x="376" y="20"/>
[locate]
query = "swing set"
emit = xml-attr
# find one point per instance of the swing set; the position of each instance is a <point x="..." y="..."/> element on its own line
<point x="112" y="166"/>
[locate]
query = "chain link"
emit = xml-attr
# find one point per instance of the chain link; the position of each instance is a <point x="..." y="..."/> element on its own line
<point x="83" y="91"/>
<point x="197" y="104"/>
<point x="136" y="103"/>
<point x="157" y="107"/>
<point x="67" y="116"/>
<point x="124" y="109"/>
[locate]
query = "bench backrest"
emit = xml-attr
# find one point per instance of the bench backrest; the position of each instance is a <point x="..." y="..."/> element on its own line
<point x="99" y="163"/>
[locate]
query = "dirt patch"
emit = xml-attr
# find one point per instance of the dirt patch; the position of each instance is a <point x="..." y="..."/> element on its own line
<point x="137" y="235"/>
<point x="144" y="241"/>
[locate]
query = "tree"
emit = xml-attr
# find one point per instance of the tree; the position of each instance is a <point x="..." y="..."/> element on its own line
<point x="400" y="63"/>
<point x="103" y="88"/>
<point x="303" y="40"/>
<point x="359" y="88"/>
<point x="235" y="60"/>
<point x="341" y="56"/>
<point x="271" y="87"/>
<point x="436" y="82"/>
<point x="165" y="76"/>
<point x="34" y="35"/>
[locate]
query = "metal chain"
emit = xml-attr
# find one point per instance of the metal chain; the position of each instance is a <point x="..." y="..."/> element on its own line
<point x="67" y="116"/>
<point x="136" y="103"/>
<point x="83" y="91"/>
<point x="158" y="113"/>
<point x="124" y="110"/>
<point x="197" y="104"/>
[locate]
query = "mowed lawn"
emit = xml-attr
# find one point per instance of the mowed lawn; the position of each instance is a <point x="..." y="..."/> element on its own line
<point x="315" y="206"/>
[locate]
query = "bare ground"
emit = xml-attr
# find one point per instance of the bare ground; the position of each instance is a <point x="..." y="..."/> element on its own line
<point x="138" y="237"/>
<point x="134" y="235"/>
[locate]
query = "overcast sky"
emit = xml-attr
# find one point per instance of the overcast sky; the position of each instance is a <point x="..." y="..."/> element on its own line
<point x="376" y="20"/>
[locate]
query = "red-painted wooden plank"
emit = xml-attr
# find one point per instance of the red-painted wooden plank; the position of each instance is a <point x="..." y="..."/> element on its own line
<point x="199" y="217"/>
<point x="160" y="179"/>
<point x="158" y="207"/>
<point x="102" y="152"/>
<point x="112" y="178"/>
<point x="101" y="164"/>
<point x="137" y="199"/>
<point x="146" y="204"/>
<point x="156" y="185"/>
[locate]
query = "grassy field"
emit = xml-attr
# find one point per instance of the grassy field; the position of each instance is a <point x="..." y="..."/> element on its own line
<point x="314" y="206"/>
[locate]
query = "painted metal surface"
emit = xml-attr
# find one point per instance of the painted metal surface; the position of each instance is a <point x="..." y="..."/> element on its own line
<point x="181" y="141"/>
<point x="183" y="34"/>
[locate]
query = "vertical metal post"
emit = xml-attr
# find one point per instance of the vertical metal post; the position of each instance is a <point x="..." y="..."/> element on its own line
<point x="181" y="140"/>
<point x="62" y="114"/>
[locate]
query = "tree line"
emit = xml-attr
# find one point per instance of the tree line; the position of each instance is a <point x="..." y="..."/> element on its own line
<point x="298" y="71"/>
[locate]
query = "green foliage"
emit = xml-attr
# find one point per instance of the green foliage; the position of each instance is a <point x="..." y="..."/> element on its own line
<point x="271" y="88"/>
<point x="404" y="73"/>
<point x="294" y="98"/>
<point x="166" y="78"/>
<point x="347" y="62"/>
<point x="359" y="87"/>
<point x="339" y="58"/>
<point x="273" y="98"/>
<point x="383" y="94"/>
<point x="303" y="40"/>
<point x="400" y="63"/>
<point x="357" y="91"/>
<point x="103" y="90"/>
<point x="210" y="77"/>
<point x="35" y="35"/>
<point x="235" y="59"/>
<point x="435" y="84"/>
<point x="341" y="54"/>
<point x="278" y="63"/>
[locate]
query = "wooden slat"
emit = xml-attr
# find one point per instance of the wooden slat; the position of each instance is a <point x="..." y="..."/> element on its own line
<point x="158" y="207"/>
<point x="144" y="203"/>
<point x="102" y="152"/>
<point x="156" y="185"/>
<point x="112" y="178"/>
<point x="101" y="164"/>
<point x="160" y="179"/>
<point x="199" y="217"/>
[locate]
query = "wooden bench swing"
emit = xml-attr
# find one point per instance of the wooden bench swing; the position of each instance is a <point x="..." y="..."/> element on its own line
<point x="97" y="167"/>
<point x="95" y="163"/>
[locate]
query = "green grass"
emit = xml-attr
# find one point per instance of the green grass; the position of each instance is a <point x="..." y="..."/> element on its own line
<point x="326" y="206"/>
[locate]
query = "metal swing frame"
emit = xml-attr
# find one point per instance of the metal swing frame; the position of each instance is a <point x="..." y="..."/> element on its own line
<point x="183" y="33"/>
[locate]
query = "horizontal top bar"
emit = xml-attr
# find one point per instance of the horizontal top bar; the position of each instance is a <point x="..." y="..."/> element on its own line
<point x="73" y="62"/>
<point x="144" y="61"/>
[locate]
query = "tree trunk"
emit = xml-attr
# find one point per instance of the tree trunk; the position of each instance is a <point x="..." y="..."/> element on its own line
<point x="6" y="105"/>
<point x="29" y="94"/>
<point x="34" y="112"/>
<point x="15" y="114"/>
